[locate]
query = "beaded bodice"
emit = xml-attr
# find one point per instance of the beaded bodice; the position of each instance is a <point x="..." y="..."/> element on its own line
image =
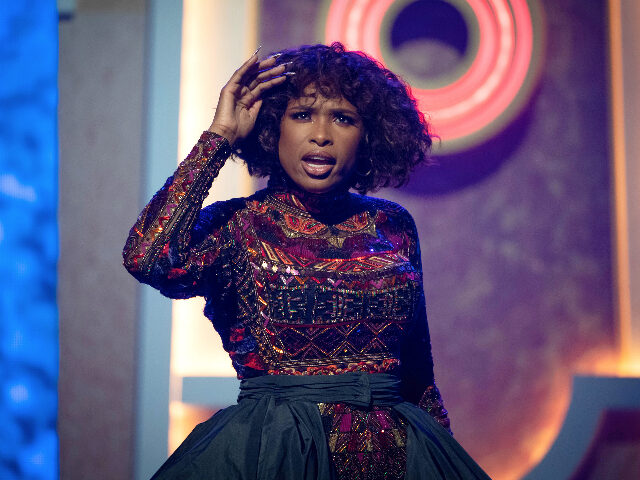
<point x="294" y="283"/>
<point x="324" y="298"/>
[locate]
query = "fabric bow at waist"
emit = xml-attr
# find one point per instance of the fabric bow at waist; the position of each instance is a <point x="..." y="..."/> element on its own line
<point x="357" y="389"/>
<point x="275" y="432"/>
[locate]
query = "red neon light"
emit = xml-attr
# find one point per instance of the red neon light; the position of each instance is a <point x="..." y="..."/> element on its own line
<point x="479" y="99"/>
<point x="510" y="82"/>
<point x="484" y="91"/>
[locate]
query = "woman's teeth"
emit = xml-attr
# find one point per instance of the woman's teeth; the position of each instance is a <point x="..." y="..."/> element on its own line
<point x="317" y="166"/>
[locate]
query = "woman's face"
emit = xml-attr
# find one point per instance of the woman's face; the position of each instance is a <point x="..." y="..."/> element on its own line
<point x="319" y="140"/>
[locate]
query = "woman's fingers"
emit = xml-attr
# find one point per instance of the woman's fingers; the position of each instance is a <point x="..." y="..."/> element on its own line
<point x="251" y="74"/>
<point x="261" y="71"/>
<point x="268" y="62"/>
<point x="244" y="68"/>
<point x="243" y="75"/>
<point x="271" y="82"/>
<point x="252" y="66"/>
<point x="252" y="95"/>
<point x="268" y="74"/>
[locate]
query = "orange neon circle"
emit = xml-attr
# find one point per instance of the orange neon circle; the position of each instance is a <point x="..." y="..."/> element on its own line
<point x="485" y="91"/>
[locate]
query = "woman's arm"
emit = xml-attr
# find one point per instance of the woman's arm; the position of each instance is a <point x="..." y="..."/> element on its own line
<point x="160" y="249"/>
<point x="417" y="362"/>
<point x="422" y="377"/>
<point x="157" y="249"/>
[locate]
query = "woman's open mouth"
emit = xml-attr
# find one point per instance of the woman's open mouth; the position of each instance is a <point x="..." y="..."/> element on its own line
<point x="318" y="164"/>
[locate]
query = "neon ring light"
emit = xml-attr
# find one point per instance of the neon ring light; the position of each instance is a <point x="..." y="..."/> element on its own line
<point x="496" y="81"/>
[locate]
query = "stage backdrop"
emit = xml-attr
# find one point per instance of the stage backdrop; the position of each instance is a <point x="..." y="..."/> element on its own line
<point x="515" y="231"/>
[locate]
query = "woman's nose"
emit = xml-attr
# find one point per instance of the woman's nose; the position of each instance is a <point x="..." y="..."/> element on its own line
<point x="321" y="135"/>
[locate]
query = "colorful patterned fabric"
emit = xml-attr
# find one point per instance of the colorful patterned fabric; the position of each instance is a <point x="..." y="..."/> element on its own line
<point x="365" y="444"/>
<point x="299" y="284"/>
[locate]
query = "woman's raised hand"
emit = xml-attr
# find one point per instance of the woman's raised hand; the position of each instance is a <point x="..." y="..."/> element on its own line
<point x="240" y="99"/>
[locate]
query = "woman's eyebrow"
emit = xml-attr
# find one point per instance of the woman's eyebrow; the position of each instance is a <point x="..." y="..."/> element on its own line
<point x="347" y="110"/>
<point x="343" y="109"/>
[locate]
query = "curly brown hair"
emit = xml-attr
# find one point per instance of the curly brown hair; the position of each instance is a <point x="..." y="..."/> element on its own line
<point x="396" y="135"/>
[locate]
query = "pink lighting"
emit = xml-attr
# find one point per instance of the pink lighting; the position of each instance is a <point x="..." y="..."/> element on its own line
<point x="487" y="95"/>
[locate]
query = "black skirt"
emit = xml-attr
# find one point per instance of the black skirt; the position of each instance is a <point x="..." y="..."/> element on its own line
<point x="275" y="432"/>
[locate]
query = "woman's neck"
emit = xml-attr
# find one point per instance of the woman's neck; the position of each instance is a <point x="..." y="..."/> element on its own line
<point x="329" y="207"/>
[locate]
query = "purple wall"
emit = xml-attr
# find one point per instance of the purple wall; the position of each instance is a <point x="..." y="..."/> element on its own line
<point x="515" y="244"/>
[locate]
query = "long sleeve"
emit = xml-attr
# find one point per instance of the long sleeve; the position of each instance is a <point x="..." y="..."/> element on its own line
<point x="160" y="249"/>
<point x="417" y="361"/>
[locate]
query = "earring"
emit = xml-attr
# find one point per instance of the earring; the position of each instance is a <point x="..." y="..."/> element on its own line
<point x="365" y="174"/>
<point x="364" y="154"/>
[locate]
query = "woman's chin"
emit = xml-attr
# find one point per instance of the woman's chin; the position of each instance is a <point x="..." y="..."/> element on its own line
<point x="321" y="189"/>
<point x="317" y="185"/>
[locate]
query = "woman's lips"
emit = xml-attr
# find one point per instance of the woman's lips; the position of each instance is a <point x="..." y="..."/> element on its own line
<point x="318" y="164"/>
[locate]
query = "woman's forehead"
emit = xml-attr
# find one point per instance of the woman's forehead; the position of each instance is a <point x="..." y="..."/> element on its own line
<point x="311" y="95"/>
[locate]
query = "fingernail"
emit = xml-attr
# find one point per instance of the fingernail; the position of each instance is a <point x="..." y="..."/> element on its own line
<point x="257" y="50"/>
<point x="286" y="65"/>
<point x="289" y="73"/>
<point x="276" y="55"/>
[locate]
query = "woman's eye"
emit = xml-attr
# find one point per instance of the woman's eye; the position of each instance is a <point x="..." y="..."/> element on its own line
<point x="346" y="119"/>
<point x="300" y="115"/>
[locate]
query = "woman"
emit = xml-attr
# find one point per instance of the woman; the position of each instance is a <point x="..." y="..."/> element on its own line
<point x="316" y="292"/>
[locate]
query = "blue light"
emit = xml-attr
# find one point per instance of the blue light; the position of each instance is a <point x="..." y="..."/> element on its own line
<point x="40" y="458"/>
<point x="19" y="393"/>
<point x="28" y="240"/>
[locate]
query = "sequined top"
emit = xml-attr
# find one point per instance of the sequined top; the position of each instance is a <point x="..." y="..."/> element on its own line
<point x="295" y="283"/>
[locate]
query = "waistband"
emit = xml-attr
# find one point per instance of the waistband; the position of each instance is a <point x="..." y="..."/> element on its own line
<point x="357" y="389"/>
